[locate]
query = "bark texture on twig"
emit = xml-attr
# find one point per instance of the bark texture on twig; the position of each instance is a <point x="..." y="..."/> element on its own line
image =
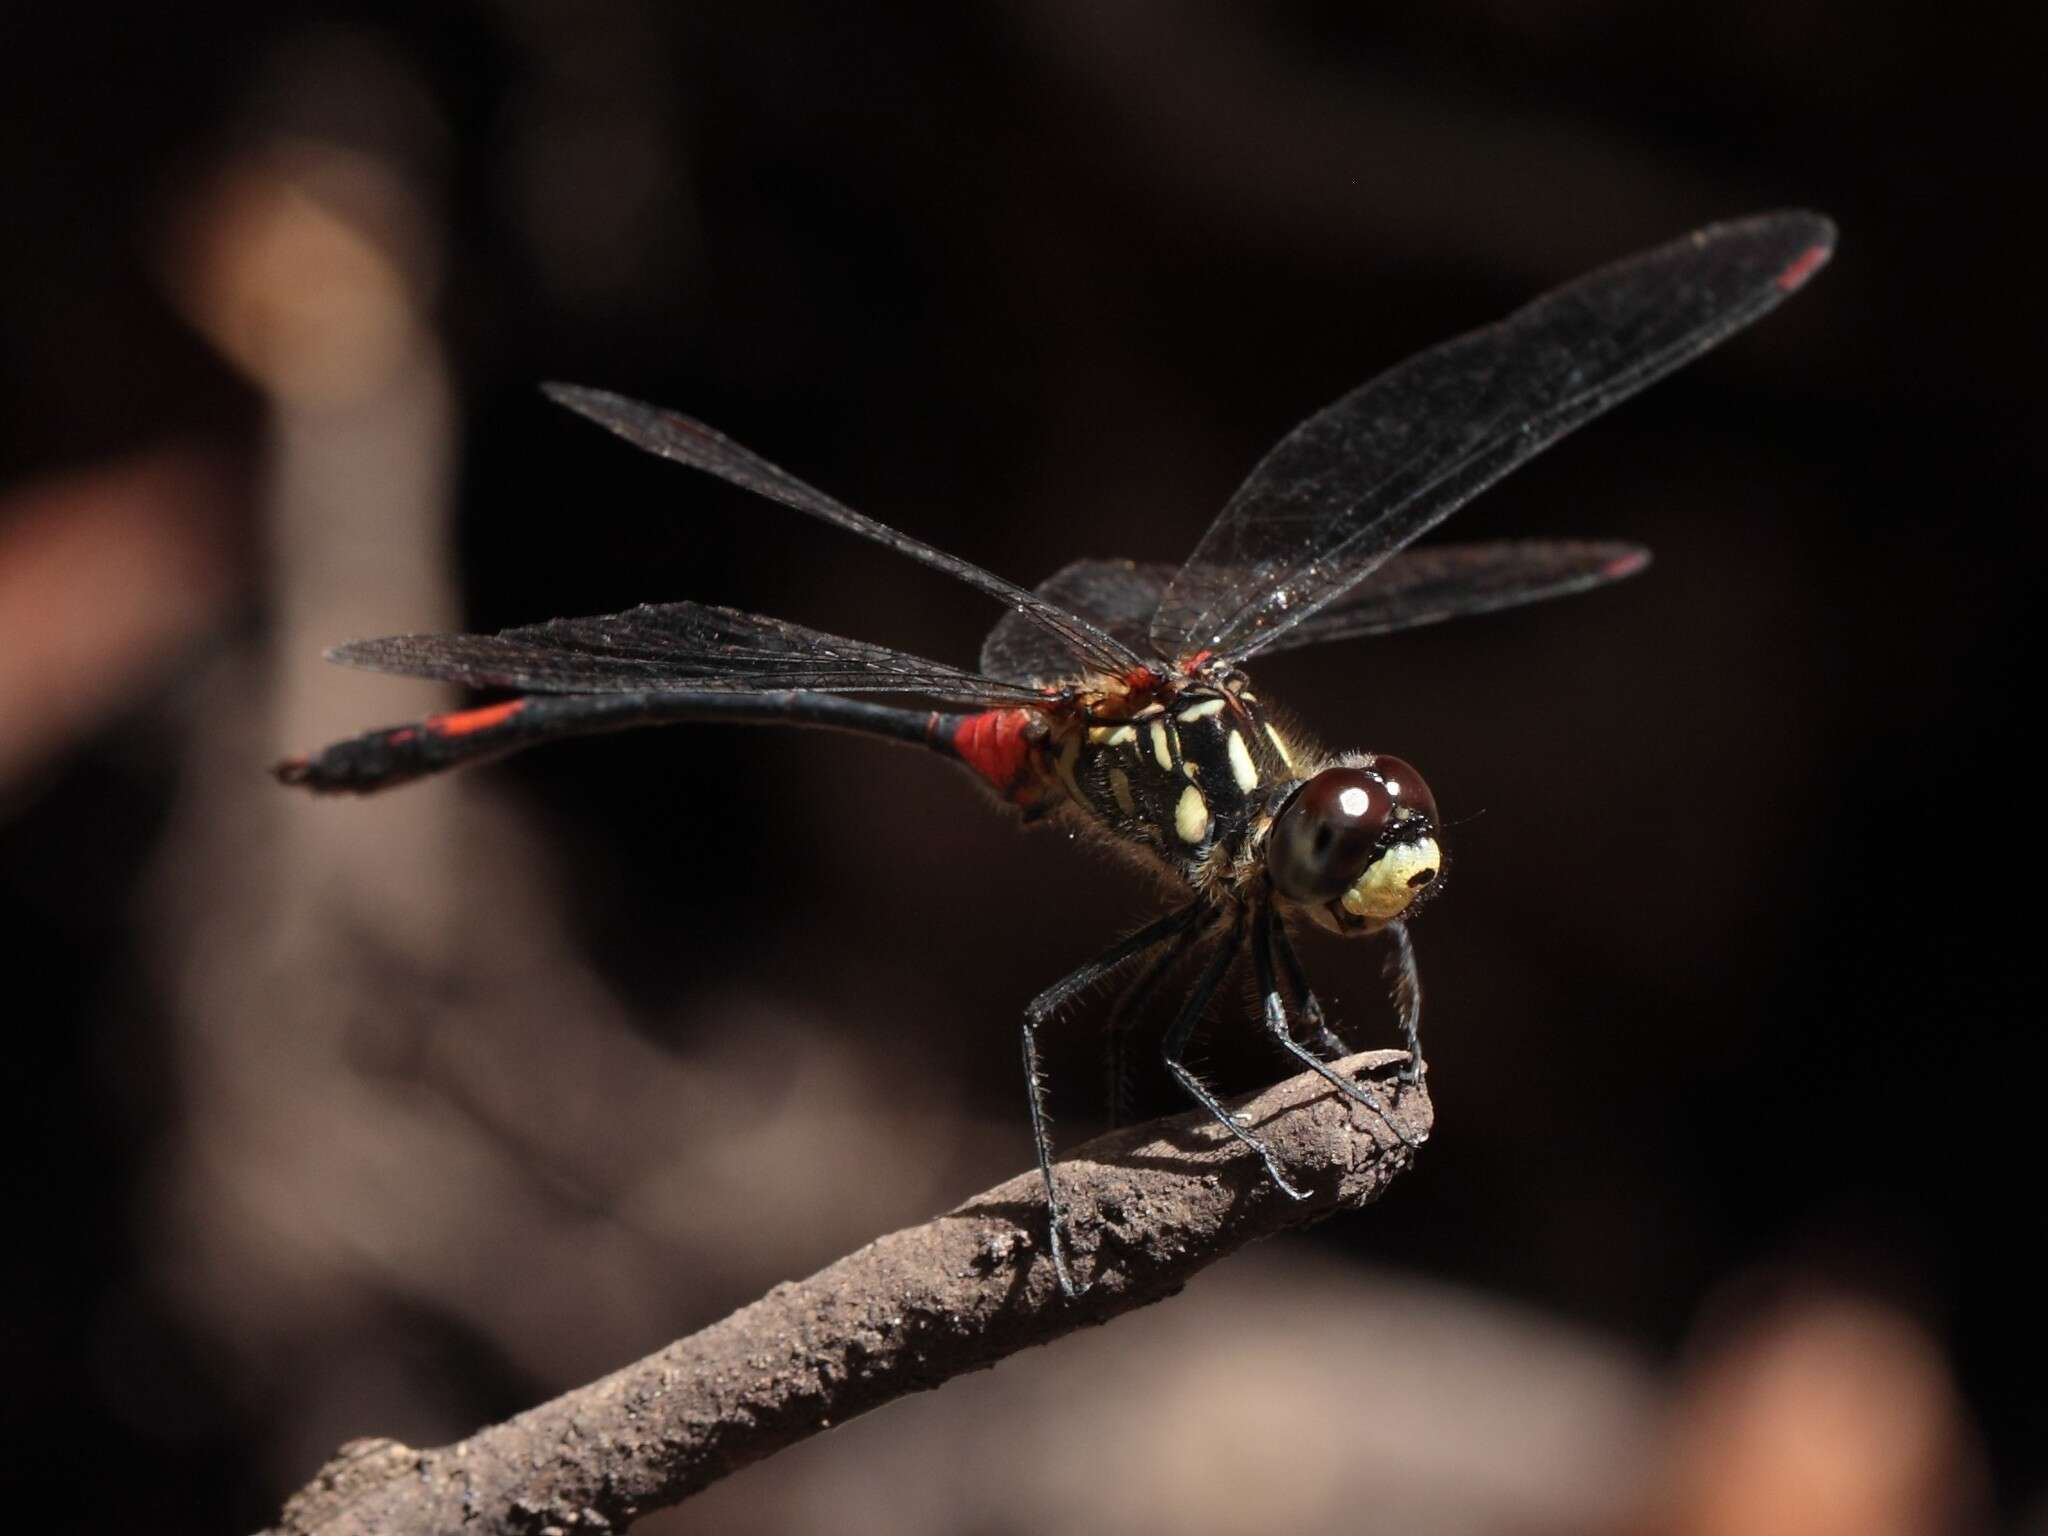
<point x="1149" y="1207"/>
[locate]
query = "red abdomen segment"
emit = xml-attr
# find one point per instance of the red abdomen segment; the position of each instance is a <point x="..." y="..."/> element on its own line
<point x="996" y="744"/>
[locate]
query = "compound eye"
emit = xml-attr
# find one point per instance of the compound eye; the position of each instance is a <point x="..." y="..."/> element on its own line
<point x="1405" y="784"/>
<point x="1325" y="836"/>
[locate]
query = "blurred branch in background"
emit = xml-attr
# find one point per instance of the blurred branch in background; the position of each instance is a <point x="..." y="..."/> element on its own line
<point x="1151" y="1207"/>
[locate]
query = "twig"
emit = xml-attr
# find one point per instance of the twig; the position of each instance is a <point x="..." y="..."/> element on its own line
<point x="1150" y="1206"/>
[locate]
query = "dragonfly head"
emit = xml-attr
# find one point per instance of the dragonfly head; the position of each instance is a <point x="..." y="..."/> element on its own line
<point x="1356" y="846"/>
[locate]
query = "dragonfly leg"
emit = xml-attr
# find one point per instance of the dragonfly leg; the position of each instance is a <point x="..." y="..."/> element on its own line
<point x="1040" y="1010"/>
<point x="1278" y="1025"/>
<point x="1314" y="1025"/>
<point x="1177" y="1040"/>
<point x="1406" y="980"/>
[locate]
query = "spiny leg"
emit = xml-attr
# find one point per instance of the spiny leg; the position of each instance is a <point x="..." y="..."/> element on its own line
<point x="1265" y="939"/>
<point x="1324" y="1038"/>
<point x="1176" y="1041"/>
<point x="1175" y="925"/>
<point x="1406" y="977"/>
<point x="1123" y="1019"/>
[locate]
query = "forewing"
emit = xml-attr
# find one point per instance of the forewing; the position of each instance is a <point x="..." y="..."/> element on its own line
<point x="681" y="647"/>
<point x="672" y="435"/>
<point x="1361" y="479"/>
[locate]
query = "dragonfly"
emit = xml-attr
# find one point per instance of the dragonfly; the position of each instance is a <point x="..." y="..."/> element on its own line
<point x="1113" y="699"/>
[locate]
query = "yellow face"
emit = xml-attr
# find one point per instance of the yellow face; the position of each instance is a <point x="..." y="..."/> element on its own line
<point x="1392" y="882"/>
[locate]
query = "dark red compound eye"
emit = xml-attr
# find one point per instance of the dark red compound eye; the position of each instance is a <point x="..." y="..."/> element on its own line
<point x="1405" y="784"/>
<point x="1325" y="836"/>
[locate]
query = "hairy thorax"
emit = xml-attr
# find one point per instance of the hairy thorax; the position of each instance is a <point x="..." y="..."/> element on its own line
<point x="1183" y="772"/>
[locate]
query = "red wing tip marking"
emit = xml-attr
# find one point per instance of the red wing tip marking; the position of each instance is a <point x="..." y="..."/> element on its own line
<point x="293" y="770"/>
<point x="465" y="721"/>
<point x="1625" y="565"/>
<point x="1803" y="266"/>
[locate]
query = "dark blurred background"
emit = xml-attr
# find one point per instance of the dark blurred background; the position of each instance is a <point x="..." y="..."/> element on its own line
<point x="392" y="1117"/>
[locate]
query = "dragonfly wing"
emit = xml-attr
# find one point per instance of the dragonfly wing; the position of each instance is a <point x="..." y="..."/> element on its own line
<point x="1118" y="596"/>
<point x="677" y="647"/>
<point x="1448" y="581"/>
<point x="1361" y="479"/>
<point x="671" y="435"/>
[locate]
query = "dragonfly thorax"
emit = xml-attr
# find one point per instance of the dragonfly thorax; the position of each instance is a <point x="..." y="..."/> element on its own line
<point x="1188" y="772"/>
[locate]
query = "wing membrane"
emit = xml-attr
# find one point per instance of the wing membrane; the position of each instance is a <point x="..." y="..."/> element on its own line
<point x="1412" y="588"/>
<point x="1449" y="581"/>
<point x="1119" y="595"/>
<point x="1361" y="479"/>
<point x="676" y="647"/>
<point x="671" y="435"/>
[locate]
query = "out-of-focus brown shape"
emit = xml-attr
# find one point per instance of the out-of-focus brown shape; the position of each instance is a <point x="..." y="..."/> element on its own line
<point x="104" y="574"/>
<point x="1832" y="1416"/>
<point x="305" y="263"/>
